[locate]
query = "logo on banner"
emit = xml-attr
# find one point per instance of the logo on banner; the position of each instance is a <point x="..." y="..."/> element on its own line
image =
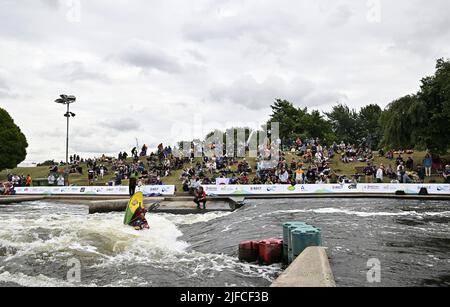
<point x="165" y="189"/>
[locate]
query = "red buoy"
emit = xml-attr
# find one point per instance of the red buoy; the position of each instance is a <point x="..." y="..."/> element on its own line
<point x="271" y="251"/>
<point x="249" y="251"/>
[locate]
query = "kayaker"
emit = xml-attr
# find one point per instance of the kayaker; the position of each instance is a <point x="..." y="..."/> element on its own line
<point x="139" y="222"/>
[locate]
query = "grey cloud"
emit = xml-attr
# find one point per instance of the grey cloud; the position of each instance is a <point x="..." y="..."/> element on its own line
<point x="72" y="71"/>
<point x="419" y="28"/>
<point x="247" y="92"/>
<point x="5" y="91"/>
<point x="97" y="147"/>
<point x="122" y="124"/>
<point x="3" y="85"/>
<point x="148" y="57"/>
<point x="54" y="4"/>
<point x="198" y="56"/>
<point x="227" y="28"/>
<point x="340" y="16"/>
<point x="5" y="94"/>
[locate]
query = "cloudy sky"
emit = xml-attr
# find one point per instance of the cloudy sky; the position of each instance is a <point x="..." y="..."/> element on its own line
<point x="163" y="71"/>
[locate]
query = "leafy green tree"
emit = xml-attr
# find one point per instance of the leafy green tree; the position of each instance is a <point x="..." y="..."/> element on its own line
<point x="435" y="96"/>
<point x="345" y="123"/>
<point x="316" y="126"/>
<point x="13" y="143"/>
<point x="369" y="123"/>
<point x="288" y="116"/>
<point x="402" y="123"/>
<point x="421" y="121"/>
<point x="299" y="122"/>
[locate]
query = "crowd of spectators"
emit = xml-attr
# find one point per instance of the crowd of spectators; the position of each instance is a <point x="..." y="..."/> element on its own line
<point x="310" y="162"/>
<point x="151" y="169"/>
<point x="13" y="181"/>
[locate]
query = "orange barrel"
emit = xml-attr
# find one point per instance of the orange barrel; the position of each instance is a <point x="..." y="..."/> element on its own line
<point x="249" y="251"/>
<point x="271" y="251"/>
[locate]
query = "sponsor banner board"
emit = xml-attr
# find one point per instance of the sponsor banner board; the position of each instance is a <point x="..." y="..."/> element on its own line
<point x="160" y="190"/>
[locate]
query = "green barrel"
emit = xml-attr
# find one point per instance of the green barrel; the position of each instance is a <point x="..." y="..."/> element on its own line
<point x="290" y="229"/>
<point x="297" y="236"/>
<point x="285" y="254"/>
<point x="304" y="238"/>
<point x="286" y="227"/>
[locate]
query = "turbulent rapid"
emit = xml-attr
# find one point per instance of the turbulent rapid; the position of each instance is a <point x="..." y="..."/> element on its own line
<point x="38" y="239"/>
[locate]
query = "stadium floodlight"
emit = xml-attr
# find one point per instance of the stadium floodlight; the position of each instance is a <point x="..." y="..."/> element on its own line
<point x="67" y="100"/>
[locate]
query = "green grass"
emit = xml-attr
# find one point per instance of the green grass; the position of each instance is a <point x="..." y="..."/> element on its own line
<point x="81" y="180"/>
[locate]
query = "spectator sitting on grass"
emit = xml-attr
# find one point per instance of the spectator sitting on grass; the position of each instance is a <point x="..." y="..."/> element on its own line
<point x="421" y="173"/>
<point x="283" y="176"/>
<point x="60" y="180"/>
<point x="51" y="180"/>
<point x="446" y="174"/>
<point x="409" y="164"/>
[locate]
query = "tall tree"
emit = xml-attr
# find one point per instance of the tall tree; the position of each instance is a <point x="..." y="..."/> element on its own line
<point x="369" y="124"/>
<point x="345" y="124"/>
<point x="287" y="115"/>
<point x="316" y="126"/>
<point x="299" y="122"/>
<point x="435" y="95"/>
<point x="13" y="143"/>
<point x="402" y="123"/>
<point x="422" y="120"/>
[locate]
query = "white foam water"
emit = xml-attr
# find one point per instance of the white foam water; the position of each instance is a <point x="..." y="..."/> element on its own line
<point x="102" y="239"/>
<point x="359" y="213"/>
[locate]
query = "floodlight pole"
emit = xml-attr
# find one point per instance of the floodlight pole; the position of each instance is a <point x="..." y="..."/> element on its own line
<point x="67" y="100"/>
<point x="67" y="137"/>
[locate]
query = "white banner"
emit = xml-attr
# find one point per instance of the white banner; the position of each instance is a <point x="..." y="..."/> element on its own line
<point x="410" y="189"/>
<point x="149" y="191"/>
<point x="222" y="181"/>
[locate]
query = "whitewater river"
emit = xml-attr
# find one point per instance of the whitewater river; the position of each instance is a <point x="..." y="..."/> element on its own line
<point x="411" y="239"/>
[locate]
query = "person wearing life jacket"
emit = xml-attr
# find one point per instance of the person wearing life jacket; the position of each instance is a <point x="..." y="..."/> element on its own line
<point x="139" y="222"/>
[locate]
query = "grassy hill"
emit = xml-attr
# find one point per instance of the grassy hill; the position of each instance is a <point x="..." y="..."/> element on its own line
<point x="80" y="180"/>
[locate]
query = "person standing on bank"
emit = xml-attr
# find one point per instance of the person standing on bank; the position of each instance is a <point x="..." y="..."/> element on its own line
<point x="133" y="182"/>
<point x="380" y="174"/>
<point x="200" y="197"/>
<point x="428" y="164"/>
<point x="369" y="172"/>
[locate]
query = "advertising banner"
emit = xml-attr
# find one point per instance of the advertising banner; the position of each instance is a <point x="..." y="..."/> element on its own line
<point x="160" y="190"/>
<point x="411" y="189"/>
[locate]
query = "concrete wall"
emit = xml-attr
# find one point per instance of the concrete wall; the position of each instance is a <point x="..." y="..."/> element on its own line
<point x="310" y="269"/>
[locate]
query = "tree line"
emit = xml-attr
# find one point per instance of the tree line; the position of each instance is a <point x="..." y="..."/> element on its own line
<point x="417" y="121"/>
